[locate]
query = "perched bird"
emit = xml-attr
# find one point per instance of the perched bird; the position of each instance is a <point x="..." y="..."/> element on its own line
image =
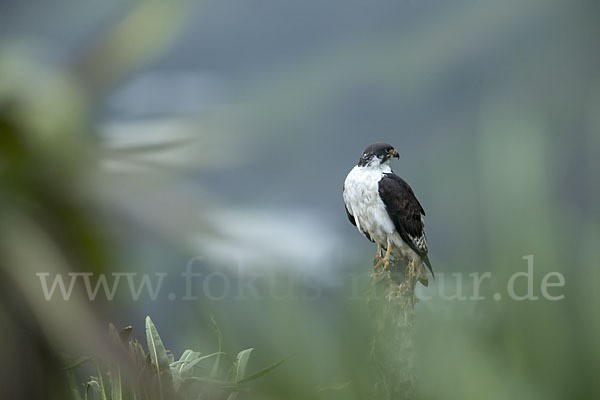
<point x="385" y="210"/>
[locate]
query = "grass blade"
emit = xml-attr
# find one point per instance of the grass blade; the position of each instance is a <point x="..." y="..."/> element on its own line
<point x="116" y="384"/>
<point x="215" y="369"/>
<point x="159" y="357"/>
<point x="241" y="363"/>
<point x="100" y="383"/>
<point x="262" y="372"/>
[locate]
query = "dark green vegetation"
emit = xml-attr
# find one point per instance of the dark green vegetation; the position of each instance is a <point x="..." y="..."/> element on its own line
<point x="134" y="373"/>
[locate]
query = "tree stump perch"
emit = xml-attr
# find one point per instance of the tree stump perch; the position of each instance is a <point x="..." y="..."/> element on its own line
<point x="392" y="305"/>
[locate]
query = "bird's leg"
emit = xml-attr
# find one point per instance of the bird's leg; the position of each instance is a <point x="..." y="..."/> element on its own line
<point x="378" y="258"/>
<point x="386" y="259"/>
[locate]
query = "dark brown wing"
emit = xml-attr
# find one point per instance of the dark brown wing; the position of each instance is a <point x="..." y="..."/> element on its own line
<point x="406" y="212"/>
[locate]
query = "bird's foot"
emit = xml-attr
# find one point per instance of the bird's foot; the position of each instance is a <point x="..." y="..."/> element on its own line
<point x="386" y="263"/>
<point x="382" y="261"/>
<point x="377" y="261"/>
<point x="388" y="253"/>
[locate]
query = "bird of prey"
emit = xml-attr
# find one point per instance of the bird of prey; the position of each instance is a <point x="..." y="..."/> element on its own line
<point x="385" y="210"/>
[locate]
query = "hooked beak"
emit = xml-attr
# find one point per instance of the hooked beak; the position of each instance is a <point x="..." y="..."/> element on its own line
<point x="394" y="153"/>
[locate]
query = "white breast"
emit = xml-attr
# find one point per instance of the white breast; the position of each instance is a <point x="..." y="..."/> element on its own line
<point x="361" y="195"/>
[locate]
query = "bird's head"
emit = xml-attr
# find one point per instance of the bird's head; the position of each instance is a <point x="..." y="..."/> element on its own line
<point x="377" y="154"/>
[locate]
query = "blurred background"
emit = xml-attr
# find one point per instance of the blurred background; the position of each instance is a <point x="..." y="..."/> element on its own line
<point x="137" y="136"/>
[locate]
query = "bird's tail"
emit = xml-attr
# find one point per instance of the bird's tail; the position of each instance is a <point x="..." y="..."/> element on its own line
<point x="425" y="259"/>
<point x="422" y="271"/>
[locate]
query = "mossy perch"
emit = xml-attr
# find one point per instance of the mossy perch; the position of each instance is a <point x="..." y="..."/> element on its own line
<point x="392" y="305"/>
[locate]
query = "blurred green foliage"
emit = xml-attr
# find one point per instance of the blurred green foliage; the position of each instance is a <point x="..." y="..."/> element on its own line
<point x="137" y="374"/>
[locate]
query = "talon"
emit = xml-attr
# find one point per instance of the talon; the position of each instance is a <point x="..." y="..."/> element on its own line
<point x="378" y="259"/>
<point x="386" y="259"/>
<point x="386" y="264"/>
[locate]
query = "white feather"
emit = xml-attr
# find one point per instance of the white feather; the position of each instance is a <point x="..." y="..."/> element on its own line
<point x="361" y="196"/>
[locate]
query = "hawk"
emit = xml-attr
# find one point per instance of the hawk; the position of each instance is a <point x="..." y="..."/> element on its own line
<point x="385" y="210"/>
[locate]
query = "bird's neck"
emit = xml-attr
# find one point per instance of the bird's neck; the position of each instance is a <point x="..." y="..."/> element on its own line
<point x="383" y="168"/>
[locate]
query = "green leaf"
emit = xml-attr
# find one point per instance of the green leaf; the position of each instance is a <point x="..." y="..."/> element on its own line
<point x="186" y="358"/>
<point x="177" y="379"/>
<point x="241" y="363"/>
<point x="262" y="372"/>
<point x="96" y="390"/>
<point x="200" y="359"/>
<point x="101" y="383"/>
<point x="137" y="353"/>
<point x="178" y="368"/>
<point x="216" y="365"/>
<point x="159" y="357"/>
<point x="114" y="335"/>
<point x="185" y="367"/>
<point x="116" y="385"/>
<point x="125" y="334"/>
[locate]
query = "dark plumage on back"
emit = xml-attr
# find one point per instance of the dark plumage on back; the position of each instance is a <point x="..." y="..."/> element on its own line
<point x="406" y="212"/>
